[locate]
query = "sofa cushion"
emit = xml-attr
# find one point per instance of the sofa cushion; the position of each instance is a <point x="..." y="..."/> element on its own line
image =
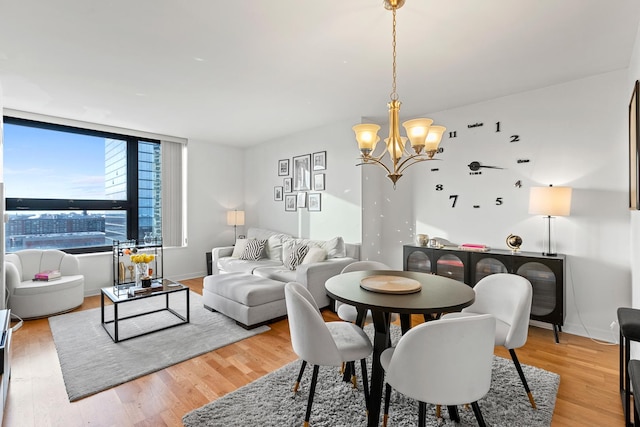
<point x="279" y="273"/>
<point x="254" y="250"/>
<point x="39" y="287"/>
<point x="247" y="289"/>
<point x="236" y="265"/>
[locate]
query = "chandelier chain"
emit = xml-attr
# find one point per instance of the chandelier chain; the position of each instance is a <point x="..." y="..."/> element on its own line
<point x="394" y="94"/>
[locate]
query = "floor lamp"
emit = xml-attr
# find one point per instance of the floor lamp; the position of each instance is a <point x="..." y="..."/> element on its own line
<point x="235" y="218"/>
<point x="551" y="202"/>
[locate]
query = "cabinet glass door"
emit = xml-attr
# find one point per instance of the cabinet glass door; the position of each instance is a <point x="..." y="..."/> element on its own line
<point x="543" y="281"/>
<point x="488" y="266"/>
<point x="419" y="261"/>
<point x="450" y="266"/>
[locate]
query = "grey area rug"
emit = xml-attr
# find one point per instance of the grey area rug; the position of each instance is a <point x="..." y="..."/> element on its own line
<point x="91" y="362"/>
<point x="269" y="401"/>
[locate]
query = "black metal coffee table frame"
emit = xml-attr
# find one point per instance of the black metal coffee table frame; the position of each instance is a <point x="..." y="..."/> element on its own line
<point x="167" y="289"/>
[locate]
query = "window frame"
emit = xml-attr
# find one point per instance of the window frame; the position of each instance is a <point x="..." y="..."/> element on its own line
<point x="130" y="205"/>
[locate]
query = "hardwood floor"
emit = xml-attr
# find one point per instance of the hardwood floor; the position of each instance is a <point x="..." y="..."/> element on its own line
<point x="588" y="394"/>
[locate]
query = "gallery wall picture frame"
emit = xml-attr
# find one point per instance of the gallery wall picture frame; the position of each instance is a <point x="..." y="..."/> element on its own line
<point x="277" y="194"/>
<point x="318" y="182"/>
<point x="634" y="160"/>
<point x="286" y="183"/>
<point x="283" y="167"/>
<point x="290" y="202"/>
<point x="315" y="201"/>
<point x="302" y="173"/>
<point x="320" y="161"/>
<point x="302" y="200"/>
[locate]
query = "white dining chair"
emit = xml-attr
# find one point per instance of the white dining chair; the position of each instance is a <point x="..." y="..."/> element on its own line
<point x="322" y="343"/>
<point x="508" y="297"/>
<point x="446" y="362"/>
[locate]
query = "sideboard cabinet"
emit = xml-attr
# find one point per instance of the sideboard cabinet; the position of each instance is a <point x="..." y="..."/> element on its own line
<point x="546" y="274"/>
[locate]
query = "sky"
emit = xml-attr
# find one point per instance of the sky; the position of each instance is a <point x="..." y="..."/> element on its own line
<point x="42" y="163"/>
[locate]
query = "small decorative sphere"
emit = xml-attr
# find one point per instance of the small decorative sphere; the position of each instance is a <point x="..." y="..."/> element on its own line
<point x="514" y="242"/>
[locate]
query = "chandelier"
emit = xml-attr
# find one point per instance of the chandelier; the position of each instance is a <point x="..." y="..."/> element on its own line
<point x="422" y="135"/>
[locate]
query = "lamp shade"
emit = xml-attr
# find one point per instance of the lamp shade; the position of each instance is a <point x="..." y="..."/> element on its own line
<point x="235" y="218"/>
<point x="550" y="201"/>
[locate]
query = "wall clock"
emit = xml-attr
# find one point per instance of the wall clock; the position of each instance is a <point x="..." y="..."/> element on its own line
<point x="476" y="174"/>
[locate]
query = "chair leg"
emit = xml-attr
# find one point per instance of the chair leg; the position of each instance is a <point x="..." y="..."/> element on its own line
<point x="478" y="414"/>
<point x="312" y="390"/>
<point x="365" y="382"/>
<point x="422" y="414"/>
<point x="297" y="384"/>
<point x="453" y="413"/>
<point x="387" y="401"/>
<point x="354" y="377"/>
<point x="512" y="352"/>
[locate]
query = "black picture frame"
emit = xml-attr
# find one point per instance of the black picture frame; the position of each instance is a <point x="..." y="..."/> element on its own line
<point x="634" y="161"/>
<point x="283" y="167"/>
<point x="318" y="182"/>
<point x="320" y="161"/>
<point x="302" y="173"/>
<point x="314" y="202"/>
<point x="290" y="202"/>
<point x="287" y="184"/>
<point x="277" y="194"/>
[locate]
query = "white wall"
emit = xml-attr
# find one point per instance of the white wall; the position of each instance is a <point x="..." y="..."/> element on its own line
<point x="215" y="183"/>
<point x="341" y="201"/>
<point x="633" y="75"/>
<point x="572" y="134"/>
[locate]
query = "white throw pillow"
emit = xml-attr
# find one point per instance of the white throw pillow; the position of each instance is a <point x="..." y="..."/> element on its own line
<point x="315" y="254"/>
<point x="238" y="249"/>
<point x="335" y="248"/>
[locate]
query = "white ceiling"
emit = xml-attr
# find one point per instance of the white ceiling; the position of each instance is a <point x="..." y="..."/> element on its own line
<point x="246" y="71"/>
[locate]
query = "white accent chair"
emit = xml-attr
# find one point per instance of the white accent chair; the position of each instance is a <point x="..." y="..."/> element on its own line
<point x="348" y="312"/>
<point x="445" y="362"/>
<point x="29" y="299"/>
<point x="322" y="343"/>
<point x="508" y="297"/>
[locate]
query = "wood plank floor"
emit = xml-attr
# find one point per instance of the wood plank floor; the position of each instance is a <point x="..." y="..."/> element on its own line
<point x="588" y="394"/>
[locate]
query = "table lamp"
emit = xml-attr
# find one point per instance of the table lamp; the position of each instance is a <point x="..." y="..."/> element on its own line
<point x="550" y="201"/>
<point x="235" y="218"/>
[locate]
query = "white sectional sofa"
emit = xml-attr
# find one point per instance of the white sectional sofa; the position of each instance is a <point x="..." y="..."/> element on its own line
<point x="251" y="291"/>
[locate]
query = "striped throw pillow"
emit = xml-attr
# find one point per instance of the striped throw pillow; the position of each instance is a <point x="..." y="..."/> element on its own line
<point x="254" y="249"/>
<point x="296" y="256"/>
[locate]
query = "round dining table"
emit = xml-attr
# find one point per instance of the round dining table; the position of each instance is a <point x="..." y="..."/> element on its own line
<point x="434" y="295"/>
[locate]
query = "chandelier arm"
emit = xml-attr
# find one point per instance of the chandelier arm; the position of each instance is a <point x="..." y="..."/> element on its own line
<point x="416" y="158"/>
<point x="374" y="161"/>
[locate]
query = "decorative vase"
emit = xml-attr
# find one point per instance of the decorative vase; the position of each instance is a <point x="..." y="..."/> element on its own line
<point x="142" y="272"/>
<point x="422" y="239"/>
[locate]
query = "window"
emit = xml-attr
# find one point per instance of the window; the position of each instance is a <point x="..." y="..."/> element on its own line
<point x="78" y="189"/>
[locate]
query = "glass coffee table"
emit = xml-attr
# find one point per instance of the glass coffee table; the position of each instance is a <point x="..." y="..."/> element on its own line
<point x="162" y="288"/>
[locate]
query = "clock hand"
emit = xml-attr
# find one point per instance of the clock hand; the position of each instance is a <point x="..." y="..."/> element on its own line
<point x="475" y="166"/>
